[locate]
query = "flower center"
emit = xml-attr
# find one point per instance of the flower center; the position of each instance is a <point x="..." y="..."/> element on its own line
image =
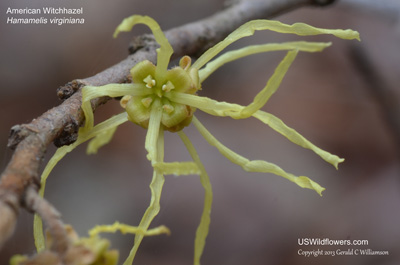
<point x="151" y="83"/>
<point x="175" y="116"/>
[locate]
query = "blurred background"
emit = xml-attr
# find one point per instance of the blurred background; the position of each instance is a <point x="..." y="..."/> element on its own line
<point x="256" y="219"/>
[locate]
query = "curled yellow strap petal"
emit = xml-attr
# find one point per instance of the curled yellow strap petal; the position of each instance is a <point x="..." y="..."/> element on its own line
<point x="291" y="134"/>
<point x="177" y="168"/>
<point x="153" y="130"/>
<point x="224" y="109"/>
<point x="111" y="90"/>
<point x="303" y="29"/>
<point x="37" y="221"/>
<point x="250" y="27"/>
<point x="59" y="154"/>
<point x="255" y="165"/>
<point x="128" y="229"/>
<point x="266" y="167"/>
<point x="254" y="49"/>
<point x="205" y="104"/>
<point x="165" y="51"/>
<point x="203" y="228"/>
<point x="100" y="140"/>
<point x="106" y="125"/>
<point x="271" y="87"/>
<point x="156" y="186"/>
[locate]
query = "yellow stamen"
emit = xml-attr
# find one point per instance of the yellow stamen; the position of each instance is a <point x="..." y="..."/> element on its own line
<point x="150" y="82"/>
<point x="168" y="86"/>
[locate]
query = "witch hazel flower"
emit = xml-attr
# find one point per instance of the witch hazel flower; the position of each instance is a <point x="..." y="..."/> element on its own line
<point x="161" y="99"/>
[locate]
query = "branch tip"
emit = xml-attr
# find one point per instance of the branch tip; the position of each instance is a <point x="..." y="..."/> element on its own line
<point x="67" y="90"/>
<point x="17" y="134"/>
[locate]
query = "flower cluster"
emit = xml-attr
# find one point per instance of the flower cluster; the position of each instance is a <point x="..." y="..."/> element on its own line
<point x="160" y="99"/>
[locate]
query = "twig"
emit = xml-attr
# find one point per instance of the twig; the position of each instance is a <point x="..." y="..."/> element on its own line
<point x="379" y="91"/>
<point x="389" y="9"/>
<point x="56" y="227"/>
<point x="60" y="123"/>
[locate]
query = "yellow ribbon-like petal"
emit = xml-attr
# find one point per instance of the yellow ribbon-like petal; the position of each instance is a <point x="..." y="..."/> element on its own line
<point x="110" y="90"/>
<point x="255" y="165"/>
<point x="291" y="134"/>
<point x="208" y="105"/>
<point x="250" y="27"/>
<point x="224" y="109"/>
<point x="163" y="53"/>
<point x="177" y="168"/>
<point x="255" y="49"/>
<point x="100" y="140"/>
<point x="128" y="229"/>
<point x="59" y="154"/>
<point x="272" y="85"/>
<point x="203" y="228"/>
<point x="156" y="186"/>
<point x="153" y="131"/>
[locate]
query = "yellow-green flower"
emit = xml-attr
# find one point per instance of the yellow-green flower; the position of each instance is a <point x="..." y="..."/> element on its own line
<point x="82" y="251"/>
<point x="159" y="99"/>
